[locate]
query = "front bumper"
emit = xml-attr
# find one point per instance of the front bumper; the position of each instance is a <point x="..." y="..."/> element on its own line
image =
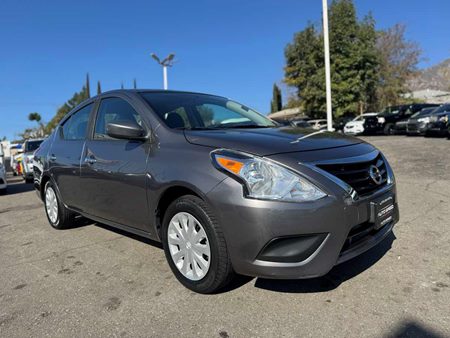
<point x="418" y="128"/>
<point x="250" y="225"/>
<point x="437" y="128"/>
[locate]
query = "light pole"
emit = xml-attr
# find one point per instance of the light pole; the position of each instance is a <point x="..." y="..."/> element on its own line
<point x="326" y="43"/>
<point x="167" y="62"/>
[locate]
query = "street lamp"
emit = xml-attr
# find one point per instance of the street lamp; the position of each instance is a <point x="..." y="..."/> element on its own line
<point x="326" y="44"/>
<point x="167" y="62"/>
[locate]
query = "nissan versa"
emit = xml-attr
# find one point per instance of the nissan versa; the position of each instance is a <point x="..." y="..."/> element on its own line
<point x="225" y="189"/>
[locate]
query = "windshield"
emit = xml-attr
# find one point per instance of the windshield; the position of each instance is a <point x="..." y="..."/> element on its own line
<point x="199" y="111"/>
<point x="423" y="112"/>
<point x="32" y="146"/>
<point x="442" y="109"/>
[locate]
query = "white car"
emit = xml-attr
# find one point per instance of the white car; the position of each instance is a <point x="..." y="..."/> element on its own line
<point x="3" y="183"/>
<point x="29" y="147"/>
<point x="356" y="126"/>
<point x="318" y="124"/>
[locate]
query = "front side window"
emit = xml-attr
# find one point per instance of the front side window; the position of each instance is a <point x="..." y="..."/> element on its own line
<point x="199" y="111"/>
<point x="76" y="126"/>
<point x="114" y="110"/>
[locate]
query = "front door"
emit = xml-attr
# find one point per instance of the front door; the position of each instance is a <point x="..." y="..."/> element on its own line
<point x="113" y="171"/>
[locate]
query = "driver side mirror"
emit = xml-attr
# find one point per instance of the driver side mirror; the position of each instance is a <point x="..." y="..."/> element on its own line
<point x="126" y="130"/>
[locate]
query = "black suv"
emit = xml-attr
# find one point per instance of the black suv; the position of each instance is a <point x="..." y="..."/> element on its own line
<point x="438" y="121"/>
<point x="394" y="114"/>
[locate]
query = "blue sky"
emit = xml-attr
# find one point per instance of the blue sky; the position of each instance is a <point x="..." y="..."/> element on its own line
<point x="232" y="48"/>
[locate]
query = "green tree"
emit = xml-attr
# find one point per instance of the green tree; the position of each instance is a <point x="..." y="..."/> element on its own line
<point x="40" y="130"/>
<point x="276" y="104"/>
<point x="353" y="61"/>
<point x="99" y="88"/>
<point x="76" y="99"/>
<point x="304" y="70"/>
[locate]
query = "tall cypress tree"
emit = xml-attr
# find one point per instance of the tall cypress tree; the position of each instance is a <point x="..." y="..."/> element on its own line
<point x="276" y="103"/>
<point x="99" y="88"/>
<point x="134" y="84"/>
<point x="87" y="86"/>
<point x="121" y="85"/>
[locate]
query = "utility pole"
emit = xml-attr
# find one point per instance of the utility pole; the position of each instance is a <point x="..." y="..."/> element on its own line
<point x="167" y="62"/>
<point x="326" y="43"/>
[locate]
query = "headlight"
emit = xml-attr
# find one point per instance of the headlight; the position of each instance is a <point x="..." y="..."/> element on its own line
<point x="444" y="118"/>
<point x="265" y="179"/>
<point x="381" y="120"/>
<point x="424" y="119"/>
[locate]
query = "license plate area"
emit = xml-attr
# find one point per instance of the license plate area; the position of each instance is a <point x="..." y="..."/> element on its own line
<point x="382" y="211"/>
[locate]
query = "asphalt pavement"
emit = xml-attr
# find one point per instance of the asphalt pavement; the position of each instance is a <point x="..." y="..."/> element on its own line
<point x="95" y="281"/>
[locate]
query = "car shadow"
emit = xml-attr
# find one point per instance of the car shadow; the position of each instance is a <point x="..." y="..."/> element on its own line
<point x="16" y="185"/>
<point x="412" y="328"/>
<point x="338" y="275"/>
<point x="126" y="234"/>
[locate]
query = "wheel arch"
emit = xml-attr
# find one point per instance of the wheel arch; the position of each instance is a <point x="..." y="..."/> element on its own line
<point x="169" y="195"/>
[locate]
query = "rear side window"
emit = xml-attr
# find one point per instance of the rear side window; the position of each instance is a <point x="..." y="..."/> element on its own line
<point x="76" y="126"/>
<point x="114" y="110"/>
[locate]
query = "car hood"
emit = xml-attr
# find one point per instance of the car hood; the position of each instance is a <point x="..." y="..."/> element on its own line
<point x="354" y="123"/>
<point x="269" y="141"/>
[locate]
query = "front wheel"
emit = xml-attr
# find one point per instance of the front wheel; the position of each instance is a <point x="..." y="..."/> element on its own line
<point x="58" y="215"/>
<point x="195" y="246"/>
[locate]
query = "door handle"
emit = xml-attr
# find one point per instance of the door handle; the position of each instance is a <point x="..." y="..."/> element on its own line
<point x="52" y="158"/>
<point x="90" y="160"/>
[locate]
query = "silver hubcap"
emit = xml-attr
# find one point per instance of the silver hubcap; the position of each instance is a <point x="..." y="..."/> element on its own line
<point x="189" y="246"/>
<point x="51" y="204"/>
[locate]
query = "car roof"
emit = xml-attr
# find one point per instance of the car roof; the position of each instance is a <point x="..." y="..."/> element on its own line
<point x="138" y="91"/>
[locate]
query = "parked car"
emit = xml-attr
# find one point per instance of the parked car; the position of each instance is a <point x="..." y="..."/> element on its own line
<point x="301" y="124"/>
<point x="356" y="126"/>
<point x="372" y="125"/>
<point x="394" y="114"/>
<point x="29" y="147"/>
<point x="251" y="197"/>
<point x="437" y="125"/>
<point x="3" y="182"/>
<point x="318" y="124"/>
<point x="340" y="122"/>
<point x="417" y="124"/>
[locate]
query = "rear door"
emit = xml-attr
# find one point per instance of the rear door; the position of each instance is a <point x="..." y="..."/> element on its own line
<point x="114" y="171"/>
<point x="65" y="155"/>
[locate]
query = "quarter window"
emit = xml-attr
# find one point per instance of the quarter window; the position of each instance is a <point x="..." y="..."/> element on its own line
<point x="76" y="126"/>
<point x="114" y="110"/>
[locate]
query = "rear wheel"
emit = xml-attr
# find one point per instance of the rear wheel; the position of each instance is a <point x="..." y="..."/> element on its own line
<point x="195" y="246"/>
<point x="389" y="129"/>
<point x="58" y="215"/>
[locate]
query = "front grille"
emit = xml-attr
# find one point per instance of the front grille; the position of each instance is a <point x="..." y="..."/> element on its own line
<point x="412" y="127"/>
<point x="357" y="175"/>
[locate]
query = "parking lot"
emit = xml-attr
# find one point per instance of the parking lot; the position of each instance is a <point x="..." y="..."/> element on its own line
<point x="96" y="281"/>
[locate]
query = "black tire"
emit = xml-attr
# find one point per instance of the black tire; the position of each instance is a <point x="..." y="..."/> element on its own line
<point x="220" y="271"/>
<point x="389" y="129"/>
<point x="65" y="217"/>
<point x="3" y="191"/>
